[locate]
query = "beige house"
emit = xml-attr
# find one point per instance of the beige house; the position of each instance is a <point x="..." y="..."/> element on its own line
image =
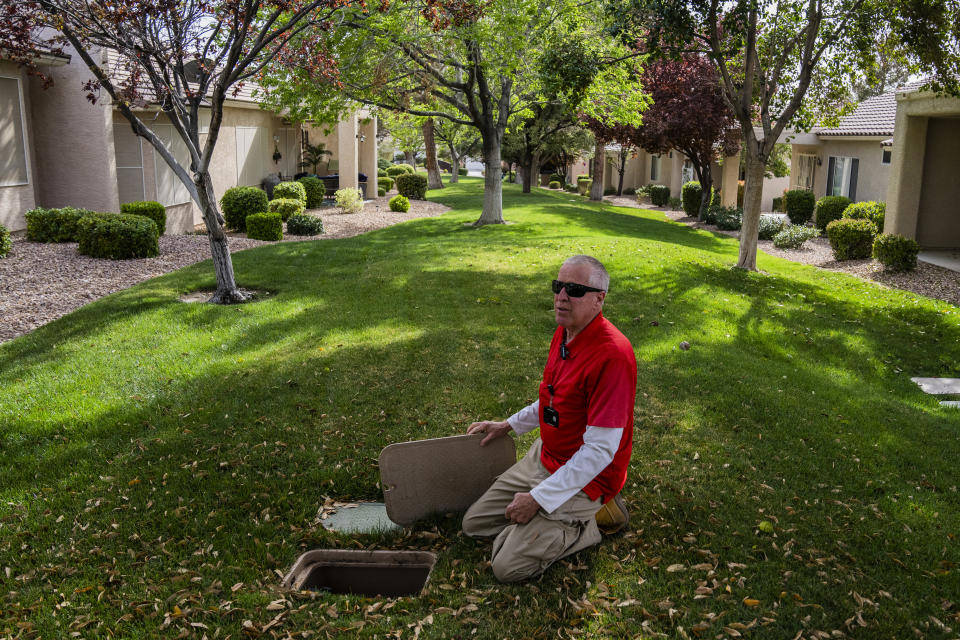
<point x="65" y="151"/>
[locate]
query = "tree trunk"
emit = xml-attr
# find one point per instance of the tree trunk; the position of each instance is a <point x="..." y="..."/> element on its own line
<point x="410" y="158"/>
<point x="454" y="164"/>
<point x="535" y="169"/>
<point x="621" y="169"/>
<point x="492" y="186"/>
<point x="753" y="194"/>
<point x="227" y="291"/>
<point x="525" y="169"/>
<point x="433" y="169"/>
<point x="599" y="159"/>
<point x="706" y="184"/>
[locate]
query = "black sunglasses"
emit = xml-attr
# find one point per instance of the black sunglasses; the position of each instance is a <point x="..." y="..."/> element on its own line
<point x="574" y="290"/>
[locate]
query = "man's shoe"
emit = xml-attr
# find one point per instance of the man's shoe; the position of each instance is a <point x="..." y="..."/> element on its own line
<point x="613" y="516"/>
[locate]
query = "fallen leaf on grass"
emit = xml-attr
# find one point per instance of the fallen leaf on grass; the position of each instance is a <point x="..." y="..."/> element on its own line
<point x="675" y="567"/>
<point x="751" y="602"/>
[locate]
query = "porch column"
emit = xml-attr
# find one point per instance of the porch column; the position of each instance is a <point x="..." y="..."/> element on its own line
<point x="906" y="174"/>
<point x="347" y="152"/>
<point x="368" y="153"/>
<point x="728" y="180"/>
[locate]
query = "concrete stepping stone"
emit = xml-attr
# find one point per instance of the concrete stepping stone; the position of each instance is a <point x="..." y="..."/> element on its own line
<point x="440" y="475"/>
<point x="939" y="386"/>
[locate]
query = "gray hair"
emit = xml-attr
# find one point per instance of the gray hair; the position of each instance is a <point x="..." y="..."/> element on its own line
<point x="599" y="277"/>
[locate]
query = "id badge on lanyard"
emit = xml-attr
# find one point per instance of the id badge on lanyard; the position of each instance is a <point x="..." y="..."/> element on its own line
<point x="551" y="416"/>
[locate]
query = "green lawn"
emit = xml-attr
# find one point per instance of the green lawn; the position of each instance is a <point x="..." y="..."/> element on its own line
<point x="163" y="463"/>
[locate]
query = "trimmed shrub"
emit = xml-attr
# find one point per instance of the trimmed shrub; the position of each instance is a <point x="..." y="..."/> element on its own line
<point x="5" y="242"/>
<point x="381" y="193"/>
<point x="399" y="169"/>
<point x="286" y="207"/>
<point x="385" y="183"/>
<point x="462" y="172"/>
<point x="239" y="202"/>
<point x="290" y="191"/>
<point x="643" y="191"/>
<point x="413" y="186"/>
<point x="349" y="200"/>
<point x="54" y="225"/>
<point x="659" y="194"/>
<point x="399" y="203"/>
<point x="690" y="194"/>
<point x="675" y="203"/>
<point x="793" y="236"/>
<point x="895" y="252"/>
<point x="712" y="213"/>
<point x="770" y="226"/>
<point x="149" y="209"/>
<point x="583" y="185"/>
<point x="830" y="208"/>
<point x="117" y="236"/>
<point x="558" y="177"/>
<point x="778" y="204"/>
<point x="629" y="191"/>
<point x="301" y="224"/>
<point x="264" y="226"/>
<point x="381" y="173"/>
<point x="870" y="210"/>
<point x="729" y="218"/>
<point x="315" y="190"/>
<point x="851" y="238"/>
<point x="799" y="204"/>
<point x="583" y="176"/>
<point x="554" y="184"/>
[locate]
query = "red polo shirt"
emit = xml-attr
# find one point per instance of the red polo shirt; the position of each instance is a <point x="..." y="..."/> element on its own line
<point x="596" y="385"/>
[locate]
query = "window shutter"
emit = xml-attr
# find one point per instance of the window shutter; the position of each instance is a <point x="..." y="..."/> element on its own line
<point x="853" y="179"/>
<point x="830" y="166"/>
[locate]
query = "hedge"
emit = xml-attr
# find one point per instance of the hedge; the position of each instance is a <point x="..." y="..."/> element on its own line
<point x="118" y="236"/>
<point x="830" y="208"/>
<point x="690" y="194"/>
<point x="462" y="172"/>
<point x="851" y="238"/>
<point x="5" y="242"/>
<point x="264" y="226"/>
<point x="301" y="224"/>
<point x="870" y="210"/>
<point x="799" y="204"/>
<point x="412" y="186"/>
<point x="659" y="194"/>
<point x="290" y="191"/>
<point x="54" y="225"/>
<point x="150" y="209"/>
<point x="239" y="202"/>
<point x="399" y="203"/>
<point x="315" y="190"/>
<point x="895" y="252"/>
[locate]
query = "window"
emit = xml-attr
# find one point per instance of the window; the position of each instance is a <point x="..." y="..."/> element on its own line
<point x="129" y="155"/>
<point x="13" y="150"/>
<point x="686" y="174"/>
<point x="655" y="168"/>
<point x="806" y="171"/>
<point x="887" y="156"/>
<point x="170" y="190"/>
<point x="252" y="155"/>
<point x="842" y="176"/>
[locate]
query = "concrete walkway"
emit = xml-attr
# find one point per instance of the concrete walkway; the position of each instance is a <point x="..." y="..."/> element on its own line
<point x="946" y="258"/>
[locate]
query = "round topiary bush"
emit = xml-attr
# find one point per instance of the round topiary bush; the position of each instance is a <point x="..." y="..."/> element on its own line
<point x="830" y="208"/>
<point x="264" y="226"/>
<point x="385" y="183"/>
<point x="690" y="194"/>
<point x="870" y="210"/>
<point x="150" y="209"/>
<point x="381" y="173"/>
<point x="659" y="194"/>
<point x="118" y="236"/>
<point x="286" y="207"/>
<point x="554" y="184"/>
<point x="895" y="252"/>
<point x="799" y="205"/>
<point x="399" y="169"/>
<point x="315" y="190"/>
<point x="381" y="193"/>
<point x="5" y="242"/>
<point x="302" y="224"/>
<point x="413" y="186"/>
<point x="399" y="203"/>
<point x="290" y="191"/>
<point x="239" y="202"/>
<point x="54" y="225"/>
<point x="851" y="238"/>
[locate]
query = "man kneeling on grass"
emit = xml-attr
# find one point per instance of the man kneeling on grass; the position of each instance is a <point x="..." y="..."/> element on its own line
<point x="555" y="501"/>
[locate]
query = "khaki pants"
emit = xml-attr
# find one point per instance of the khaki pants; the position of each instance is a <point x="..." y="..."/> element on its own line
<point x="522" y="551"/>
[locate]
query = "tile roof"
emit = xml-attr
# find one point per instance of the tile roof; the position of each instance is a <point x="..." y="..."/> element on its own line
<point x="872" y="117"/>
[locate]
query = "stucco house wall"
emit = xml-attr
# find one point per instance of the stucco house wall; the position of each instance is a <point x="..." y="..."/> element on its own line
<point x="18" y="196"/>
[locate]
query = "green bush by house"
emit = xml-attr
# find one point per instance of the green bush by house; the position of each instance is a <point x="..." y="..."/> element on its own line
<point x="265" y="226"/>
<point x="799" y="205"/>
<point x="659" y="194"/>
<point x="239" y="202"/>
<point x="349" y="200"/>
<point x="54" y="225"/>
<point x="153" y="210"/>
<point x="895" y="252"/>
<point x="770" y="226"/>
<point x="793" y="236"/>
<point x="302" y="224"/>
<point x="314" y="188"/>
<point x="385" y="183"/>
<point x="690" y="194"/>
<point x="290" y="191"/>
<point x="583" y="185"/>
<point x="413" y="186"/>
<point x="382" y="172"/>
<point x="398" y="170"/>
<point x="399" y="203"/>
<point x="286" y="207"/>
<point x="118" y="236"/>
<point x="5" y="242"/>
<point x="462" y="172"/>
<point x="729" y="218"/>
<point x="851" y="238"/>
<point x="828" y="209"/>
<point x="554" y="184"/>
<point x="870" y="210"/>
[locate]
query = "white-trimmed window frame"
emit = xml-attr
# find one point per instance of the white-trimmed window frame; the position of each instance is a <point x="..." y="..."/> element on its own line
<point x="143" y="185"/>
<point x="23" y="133"/>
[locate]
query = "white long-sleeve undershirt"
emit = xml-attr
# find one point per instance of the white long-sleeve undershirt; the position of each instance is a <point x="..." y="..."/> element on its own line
<point x="600" y="444"/>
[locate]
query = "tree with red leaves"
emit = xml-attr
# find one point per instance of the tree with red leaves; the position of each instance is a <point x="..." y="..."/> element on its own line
<point x="604" y="134"/>
<point x="689" y="114"/>
<point x="178" y="55"/>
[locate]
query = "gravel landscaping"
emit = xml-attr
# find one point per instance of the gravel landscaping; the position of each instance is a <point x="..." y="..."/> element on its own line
<point x="41" y="282"/>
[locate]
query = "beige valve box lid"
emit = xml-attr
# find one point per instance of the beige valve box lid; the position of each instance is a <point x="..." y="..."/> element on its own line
<point x="440" y="475"/>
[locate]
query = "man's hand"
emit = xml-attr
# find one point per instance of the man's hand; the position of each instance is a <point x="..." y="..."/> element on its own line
<point x="492" y="429"/>
<point x="522" y="509"/>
